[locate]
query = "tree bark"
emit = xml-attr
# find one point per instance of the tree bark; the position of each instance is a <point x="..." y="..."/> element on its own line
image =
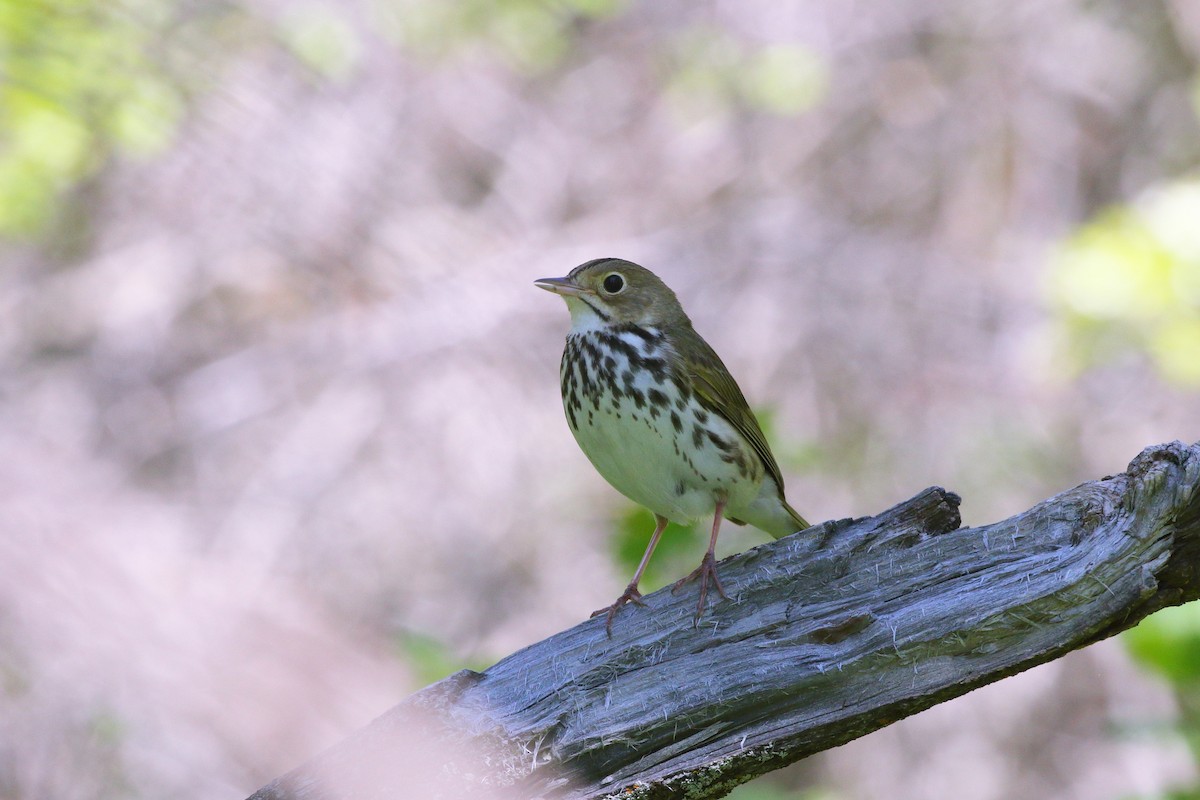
<point x="828" y="635"/>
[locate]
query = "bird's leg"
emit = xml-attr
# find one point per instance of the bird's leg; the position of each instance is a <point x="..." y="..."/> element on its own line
<point x="708" y="565"/>
<point x="631" y="594"/>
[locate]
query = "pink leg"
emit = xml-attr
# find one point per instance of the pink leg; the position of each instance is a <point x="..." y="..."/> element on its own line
<point x="708" y="565"/>
<point x="632" y="595"/>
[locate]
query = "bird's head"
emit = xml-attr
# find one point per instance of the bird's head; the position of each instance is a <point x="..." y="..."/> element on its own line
<point x="612" y="291"/>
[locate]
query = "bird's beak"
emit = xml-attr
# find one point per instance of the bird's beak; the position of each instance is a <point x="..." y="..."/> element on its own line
<point x="563" y="286"/>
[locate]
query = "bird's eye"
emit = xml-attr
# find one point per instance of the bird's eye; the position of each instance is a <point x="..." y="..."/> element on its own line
<point x="614" y="283"/>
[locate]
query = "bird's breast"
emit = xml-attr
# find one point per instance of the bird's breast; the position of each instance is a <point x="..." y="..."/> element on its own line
<point x="632" y="410"/>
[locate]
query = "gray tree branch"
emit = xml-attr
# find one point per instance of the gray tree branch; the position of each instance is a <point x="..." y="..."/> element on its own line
<point x="828" y="635"/>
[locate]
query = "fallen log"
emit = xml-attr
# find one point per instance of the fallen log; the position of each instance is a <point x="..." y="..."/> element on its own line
<point x="828" y="635"/>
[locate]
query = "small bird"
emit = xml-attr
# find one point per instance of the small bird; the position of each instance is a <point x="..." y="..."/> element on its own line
<point x="660" y="417"/>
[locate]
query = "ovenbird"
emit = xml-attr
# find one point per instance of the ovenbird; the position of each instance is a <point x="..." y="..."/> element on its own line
<point x="659" y="416"/>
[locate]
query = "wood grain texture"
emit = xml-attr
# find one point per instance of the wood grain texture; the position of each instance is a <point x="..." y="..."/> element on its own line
<point x="828" y="635"/>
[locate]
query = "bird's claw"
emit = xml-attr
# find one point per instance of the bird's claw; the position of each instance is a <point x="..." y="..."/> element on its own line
<point x="630" y="595"/>
<point x="706" y="572"/>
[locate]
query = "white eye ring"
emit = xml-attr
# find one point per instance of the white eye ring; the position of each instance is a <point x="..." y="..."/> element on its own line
<point x="612" y="286"/>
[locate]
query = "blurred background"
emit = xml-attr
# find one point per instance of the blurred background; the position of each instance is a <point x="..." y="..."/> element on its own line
<point x="280" y="432"/>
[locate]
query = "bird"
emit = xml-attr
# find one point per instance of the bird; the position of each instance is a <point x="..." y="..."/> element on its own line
<point x="657" y="413"/>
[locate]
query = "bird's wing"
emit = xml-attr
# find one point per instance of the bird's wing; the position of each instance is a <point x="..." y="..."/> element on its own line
<point x="718" y="392"/>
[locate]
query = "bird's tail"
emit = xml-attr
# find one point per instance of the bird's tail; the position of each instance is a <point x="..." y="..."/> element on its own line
<point x="771" y="513"/>
<point x="801" y="522"/>
<point x="774" y="516"/>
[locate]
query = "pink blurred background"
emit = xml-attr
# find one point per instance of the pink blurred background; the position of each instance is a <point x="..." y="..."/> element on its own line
<point x="279" y="403"/>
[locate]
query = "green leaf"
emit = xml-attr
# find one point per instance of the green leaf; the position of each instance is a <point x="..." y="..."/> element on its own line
<point x="1169" y="643"/>
<point x="80" y="84"/>
<point x="1128" y="282"/>
<point x="765" y="790"/>
<point x="784" y="79"/>
<point x="323" y="40"/>
<point x="429" y="657"/>
<point x="679" y="545"/>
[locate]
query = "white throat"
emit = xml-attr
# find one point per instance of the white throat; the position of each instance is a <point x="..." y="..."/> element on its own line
<point x="583" y="317"/>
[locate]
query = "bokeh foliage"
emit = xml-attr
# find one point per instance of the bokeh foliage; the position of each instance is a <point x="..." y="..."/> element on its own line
<point x="1127" y="284"/>
<point x="679" y="545"/>
<point x="1127" y="287"/>
<point x="1169" y="643"/>
<point x="530" y="35"/>
<point x="761" y="790"/>
<point x="81" y="81"/>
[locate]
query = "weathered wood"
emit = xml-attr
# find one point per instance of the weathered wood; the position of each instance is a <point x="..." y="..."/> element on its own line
<point x="829" y="634"/>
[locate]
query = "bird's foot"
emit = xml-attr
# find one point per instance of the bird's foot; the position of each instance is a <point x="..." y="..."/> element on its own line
<point x="631" y="595"/>
<point x="706" y="572"/>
